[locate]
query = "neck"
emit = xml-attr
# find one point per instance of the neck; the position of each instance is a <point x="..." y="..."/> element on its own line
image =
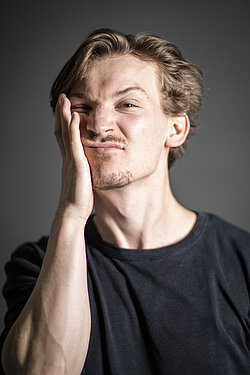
<point x="142" y="215"/>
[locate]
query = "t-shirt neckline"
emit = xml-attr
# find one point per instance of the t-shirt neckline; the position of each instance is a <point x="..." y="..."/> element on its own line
<point x="94" y="239"/>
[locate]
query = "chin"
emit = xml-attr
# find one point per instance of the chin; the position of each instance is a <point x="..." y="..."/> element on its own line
<point x="115" y="180"/>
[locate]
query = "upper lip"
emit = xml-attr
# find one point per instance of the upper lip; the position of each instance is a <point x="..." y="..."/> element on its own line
<point x="103" y="145"/>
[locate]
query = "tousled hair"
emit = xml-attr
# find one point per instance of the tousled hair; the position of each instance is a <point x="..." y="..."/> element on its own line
<point x="180" y="80"/>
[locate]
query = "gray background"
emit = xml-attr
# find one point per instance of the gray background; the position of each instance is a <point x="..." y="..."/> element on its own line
<point x="36" y="40"/>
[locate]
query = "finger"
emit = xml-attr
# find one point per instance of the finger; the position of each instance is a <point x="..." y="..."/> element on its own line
<point x="57" y="131"/>
<point x="65" y="122"/>
<point x="75" y="139"/>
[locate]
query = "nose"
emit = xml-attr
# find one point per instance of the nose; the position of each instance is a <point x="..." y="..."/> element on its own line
<point x="101" y="121"/>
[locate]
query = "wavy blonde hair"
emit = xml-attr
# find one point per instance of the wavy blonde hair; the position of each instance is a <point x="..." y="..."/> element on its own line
<point x="180" y="80"/>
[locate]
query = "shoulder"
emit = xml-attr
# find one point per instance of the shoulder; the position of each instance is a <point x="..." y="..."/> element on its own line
<point x="28" y="254"/>
<point x="224" y="233"/>
<point x="22" y="271"/>
<point x="229" y="246"/>
<point x="229" y="242"/>
<point x="23" y="267"/>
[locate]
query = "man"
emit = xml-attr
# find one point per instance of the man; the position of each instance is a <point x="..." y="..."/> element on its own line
<point x="143" y="286"/>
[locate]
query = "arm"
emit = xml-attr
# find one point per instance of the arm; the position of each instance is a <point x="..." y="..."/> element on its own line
<point x="51" y="335"/>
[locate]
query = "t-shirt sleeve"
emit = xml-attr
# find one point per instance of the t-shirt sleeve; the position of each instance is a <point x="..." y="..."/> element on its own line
<point x="22" y="271"/>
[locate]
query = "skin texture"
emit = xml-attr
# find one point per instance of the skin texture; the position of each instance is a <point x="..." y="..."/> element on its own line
<point x="114" y="142"/>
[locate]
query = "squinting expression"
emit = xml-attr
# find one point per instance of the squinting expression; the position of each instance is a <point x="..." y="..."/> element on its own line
<point x="123" y="127"/>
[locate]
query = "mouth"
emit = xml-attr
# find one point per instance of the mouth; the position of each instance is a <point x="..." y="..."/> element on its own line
<point x="103" y="147"/>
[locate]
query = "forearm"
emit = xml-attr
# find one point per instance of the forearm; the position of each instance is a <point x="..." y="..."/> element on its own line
<point x="51" y="335"/>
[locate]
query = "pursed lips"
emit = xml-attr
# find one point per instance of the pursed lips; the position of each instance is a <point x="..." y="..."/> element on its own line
<point x="103" y="146"/>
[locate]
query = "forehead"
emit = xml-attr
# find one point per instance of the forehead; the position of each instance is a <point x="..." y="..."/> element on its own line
<point x="109" y="74"/>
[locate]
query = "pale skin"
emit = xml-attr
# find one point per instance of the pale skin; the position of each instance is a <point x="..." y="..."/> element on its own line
<point x="114" y="140"/>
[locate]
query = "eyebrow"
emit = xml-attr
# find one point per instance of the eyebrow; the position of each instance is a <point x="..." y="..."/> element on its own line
<point x="80" y="95"/>
<point x="128" y="89"/>
<point x="84" y="95"/>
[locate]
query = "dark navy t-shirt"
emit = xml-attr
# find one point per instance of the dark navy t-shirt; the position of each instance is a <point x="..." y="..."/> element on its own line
<point x="180" y="309"/>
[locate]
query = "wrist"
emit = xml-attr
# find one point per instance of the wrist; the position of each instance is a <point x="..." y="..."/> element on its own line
<point x="71" y="214"/>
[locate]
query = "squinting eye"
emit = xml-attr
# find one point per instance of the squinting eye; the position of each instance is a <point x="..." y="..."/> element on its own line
<point x="128" y="105"/>
<point x="80" y="108"/>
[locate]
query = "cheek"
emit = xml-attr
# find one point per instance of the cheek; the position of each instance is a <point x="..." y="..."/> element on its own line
<point x="137" y="123"/>
<point x="133" y="126"/>
<point x="148" y="127"/>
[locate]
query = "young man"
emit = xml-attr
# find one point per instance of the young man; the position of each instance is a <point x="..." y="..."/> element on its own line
<point x="143" y="286"/>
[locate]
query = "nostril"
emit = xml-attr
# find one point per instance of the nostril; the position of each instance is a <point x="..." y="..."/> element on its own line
<point x="100" y="127"/>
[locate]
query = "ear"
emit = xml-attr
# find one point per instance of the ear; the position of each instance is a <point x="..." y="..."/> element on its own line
<point x="179" y="127"/>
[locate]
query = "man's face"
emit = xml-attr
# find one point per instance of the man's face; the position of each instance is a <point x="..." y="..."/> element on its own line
<point x="123" y="127"/>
